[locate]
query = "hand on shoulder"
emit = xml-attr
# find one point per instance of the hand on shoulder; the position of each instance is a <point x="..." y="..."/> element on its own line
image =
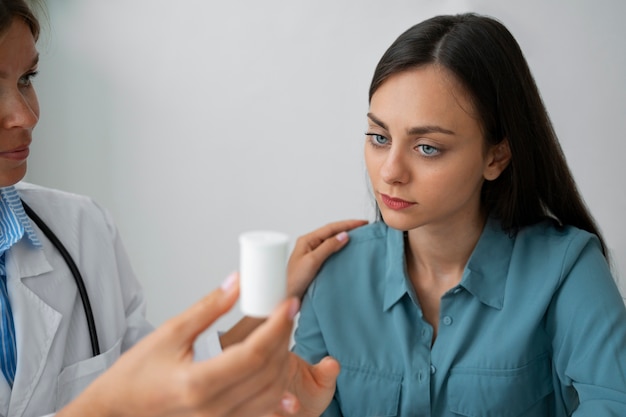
<point x="312" y="250"/>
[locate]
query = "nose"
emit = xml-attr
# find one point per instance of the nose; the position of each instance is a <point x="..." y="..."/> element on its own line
<point x="19" y="109"/>
<point x="394" y="169"/>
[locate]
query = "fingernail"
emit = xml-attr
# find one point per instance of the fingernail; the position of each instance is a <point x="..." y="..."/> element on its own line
<point x="293" y="308"/>
<point x="229" y="282"/>
<point x="342" y="237"/>
<point x="288" y="403"/>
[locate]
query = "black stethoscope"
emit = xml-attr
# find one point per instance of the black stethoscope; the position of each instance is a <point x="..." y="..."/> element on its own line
<point x="93" y="334"/>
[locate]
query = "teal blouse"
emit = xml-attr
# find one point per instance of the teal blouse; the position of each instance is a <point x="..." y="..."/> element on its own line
<point x="536" y="327"/>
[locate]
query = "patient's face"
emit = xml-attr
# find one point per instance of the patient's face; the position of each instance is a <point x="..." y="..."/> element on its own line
<point x="425" y="152"/>
<point x="19" y="109"/>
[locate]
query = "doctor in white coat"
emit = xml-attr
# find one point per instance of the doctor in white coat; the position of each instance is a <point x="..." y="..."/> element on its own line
<point x="46" y="357"/>
<point x="54" y="354"/>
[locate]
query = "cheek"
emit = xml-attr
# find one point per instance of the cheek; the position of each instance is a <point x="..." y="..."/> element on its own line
<point x="374" y="161"/>
<point x="33" y="102"/>
<point x="369" y="162"/>
<point x="462" y="180"/>
<point x="455" y="177"/>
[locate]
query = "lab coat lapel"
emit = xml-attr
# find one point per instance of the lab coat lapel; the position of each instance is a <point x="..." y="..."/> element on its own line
<point x="5" y="396"/>
<point x="36" y="322"/>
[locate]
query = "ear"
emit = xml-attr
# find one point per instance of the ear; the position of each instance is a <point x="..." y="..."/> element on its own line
<point x="498" y="158"/>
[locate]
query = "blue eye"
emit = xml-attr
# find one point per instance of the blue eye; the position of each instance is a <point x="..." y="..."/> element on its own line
<point x="428" y="150"/>
<point x="27" y="79"/>
<point x="377" y="140"/>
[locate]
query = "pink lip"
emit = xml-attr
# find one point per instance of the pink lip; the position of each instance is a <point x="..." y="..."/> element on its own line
<point x="18" y="154"/>
<point x="395" y="203"/>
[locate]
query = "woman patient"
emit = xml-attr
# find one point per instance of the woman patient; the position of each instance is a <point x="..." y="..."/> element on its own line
<point x="484" y="289"/>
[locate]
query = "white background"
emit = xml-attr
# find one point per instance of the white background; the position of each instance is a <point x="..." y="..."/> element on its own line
<point x="193" y="121"/>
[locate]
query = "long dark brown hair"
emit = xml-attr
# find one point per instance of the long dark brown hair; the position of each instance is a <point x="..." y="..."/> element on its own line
<point x="10" y="9"/>
<point x="487" y="60"/>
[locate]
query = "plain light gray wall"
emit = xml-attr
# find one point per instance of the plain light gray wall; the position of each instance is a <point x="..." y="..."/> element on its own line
<point x="194" y="121"/>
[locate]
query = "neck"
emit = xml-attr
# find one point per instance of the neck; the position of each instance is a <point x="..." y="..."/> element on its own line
<point x="439" y="253"/>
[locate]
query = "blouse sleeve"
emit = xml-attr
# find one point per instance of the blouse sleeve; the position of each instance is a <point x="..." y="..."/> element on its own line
<point x="587" y="323"/>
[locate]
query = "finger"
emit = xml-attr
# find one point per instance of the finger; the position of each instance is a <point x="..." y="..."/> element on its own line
<point x="253" y="373"/>
<point x="326" y="248"/>
<point x="261" y="392"/>
<point x="326" y="371"/>
<point x="243" y="360"/>
<point x="311" y="240"/>
<point x="197" y="318"/>
<point x="266" y="404"/>
<point x="311" y="260"/>
<point x="268" y="366"/>
<point x="333" y="228"/>
<point x="271" y="334"/>
<point x="256" y="394"/>
<point x="289" y="403"/>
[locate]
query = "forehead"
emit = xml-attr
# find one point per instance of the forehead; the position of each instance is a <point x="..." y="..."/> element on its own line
<point x="17" y="47"/>
<point x="425" y="94"/>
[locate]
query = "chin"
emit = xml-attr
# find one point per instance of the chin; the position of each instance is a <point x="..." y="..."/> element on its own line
<point x="13" y="177"/>
<point x="399" y="222"/>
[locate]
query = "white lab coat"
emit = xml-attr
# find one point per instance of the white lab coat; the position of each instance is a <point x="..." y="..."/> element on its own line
<point x="54" y="360"/>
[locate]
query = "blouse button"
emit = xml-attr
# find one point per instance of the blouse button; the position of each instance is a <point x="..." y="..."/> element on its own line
<point x="447" y="320"/>
<point x="432" y="369"/>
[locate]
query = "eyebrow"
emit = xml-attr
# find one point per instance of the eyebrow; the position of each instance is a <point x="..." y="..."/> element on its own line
<point x="417" y="130"/>
<point x="33" y="64"/>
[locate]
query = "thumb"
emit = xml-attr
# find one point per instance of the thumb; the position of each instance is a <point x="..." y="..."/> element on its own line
<point x="326" y="371"/>
<point x="197" y="318"/>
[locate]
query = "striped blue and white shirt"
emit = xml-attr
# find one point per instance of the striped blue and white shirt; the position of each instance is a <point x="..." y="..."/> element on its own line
<point x="14" y="224"/>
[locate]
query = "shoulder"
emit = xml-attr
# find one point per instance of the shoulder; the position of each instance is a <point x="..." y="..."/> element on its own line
<point x="371" y="231"/>
<point x="553" y="233"/>
<point x="57" y="206"/>
<point x="38" y="193"/>
<point x="547" y="238"/>
<point x="561" y="249"/>
<point x="362" y="259"/>
<point x="371" y="237"/>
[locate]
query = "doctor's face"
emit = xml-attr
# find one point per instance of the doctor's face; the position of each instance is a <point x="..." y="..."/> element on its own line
<point x="19" y="109"/>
